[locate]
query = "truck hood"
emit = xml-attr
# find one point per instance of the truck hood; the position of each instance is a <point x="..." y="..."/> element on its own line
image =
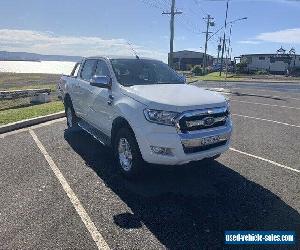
<point x="174" y="97"/>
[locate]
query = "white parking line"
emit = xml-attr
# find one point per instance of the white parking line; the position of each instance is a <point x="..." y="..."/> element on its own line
<point x="266" y="104"/>
<point x="263" y="90"/>
<point x="262" y="119"/>
<point x="33" y="127"/>
<point x="227" y="90"/>
<point x="266" y="160"/>
<point x="97" y="237"/>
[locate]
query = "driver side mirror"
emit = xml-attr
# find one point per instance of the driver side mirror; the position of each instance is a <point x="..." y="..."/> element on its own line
<point x="101" y="82"/>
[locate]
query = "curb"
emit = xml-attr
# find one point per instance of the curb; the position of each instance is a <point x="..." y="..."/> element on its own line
<point x="30" y="122"/>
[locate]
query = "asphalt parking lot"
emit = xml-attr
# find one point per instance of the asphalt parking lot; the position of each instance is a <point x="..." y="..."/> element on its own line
<point x="60" y="190"/>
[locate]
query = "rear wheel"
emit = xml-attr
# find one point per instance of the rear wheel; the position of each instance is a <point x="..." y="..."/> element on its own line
<point x="127" y="153"/>
<point x="72" y="120"/>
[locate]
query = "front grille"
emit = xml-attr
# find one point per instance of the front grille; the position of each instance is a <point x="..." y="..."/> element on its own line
<point x="202" y="119"/>
<point x="203" y="148"/>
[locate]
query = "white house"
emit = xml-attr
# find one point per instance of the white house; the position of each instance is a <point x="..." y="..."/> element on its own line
<point x="273" y="63"/>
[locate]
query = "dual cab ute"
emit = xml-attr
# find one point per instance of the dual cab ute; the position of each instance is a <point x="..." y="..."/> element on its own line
<point x="145" y="111"/>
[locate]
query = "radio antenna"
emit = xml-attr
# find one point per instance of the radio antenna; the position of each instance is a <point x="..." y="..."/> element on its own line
<point x="133" y="51"/>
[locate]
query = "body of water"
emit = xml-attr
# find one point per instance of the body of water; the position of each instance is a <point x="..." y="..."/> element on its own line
<point x="50" y="67"/>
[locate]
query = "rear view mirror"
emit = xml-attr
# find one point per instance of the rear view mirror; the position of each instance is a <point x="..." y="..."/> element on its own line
<point x="101" y="81"/>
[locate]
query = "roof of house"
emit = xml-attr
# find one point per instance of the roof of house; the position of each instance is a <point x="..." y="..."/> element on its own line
<point x="271" y="54"/>
<point x="189" y="54"/>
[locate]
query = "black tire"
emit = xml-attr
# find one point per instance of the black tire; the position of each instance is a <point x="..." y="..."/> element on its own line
<point x="137" y="161"/>
<point x="72" y="119"/>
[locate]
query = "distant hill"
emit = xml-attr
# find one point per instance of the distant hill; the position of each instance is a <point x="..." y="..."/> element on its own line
<point x="24" y="56"/>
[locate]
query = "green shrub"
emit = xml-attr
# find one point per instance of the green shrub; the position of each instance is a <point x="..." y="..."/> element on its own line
<point x="197" y="70"/>
<point x="261" y="72"/>
<point x="241" y="67"/>
<point x="295" y="71"/>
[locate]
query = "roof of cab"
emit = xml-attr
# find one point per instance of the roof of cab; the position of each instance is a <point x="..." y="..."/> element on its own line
<point x="118" y="57"/>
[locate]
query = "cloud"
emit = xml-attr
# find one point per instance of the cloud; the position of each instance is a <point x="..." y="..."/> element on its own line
<point x="49" y="43"/>
<point x="249" y="42"/>
<point x="289" y="36"/>
<point x="195" y="49"/>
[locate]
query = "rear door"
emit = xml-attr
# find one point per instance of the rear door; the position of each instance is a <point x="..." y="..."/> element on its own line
<point x="70" y="85"/>
<point x="83" y="87"/>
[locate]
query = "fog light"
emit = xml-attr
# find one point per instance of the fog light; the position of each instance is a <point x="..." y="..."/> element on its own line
<point x="161" y="150"/>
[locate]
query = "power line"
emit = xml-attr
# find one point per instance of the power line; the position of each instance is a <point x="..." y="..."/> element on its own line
<point x="164" y="3"/>
<point x="153" y="4"/>
<point x="200" y="7"/>
<point x="185" y="21"/>
<point x="189" y="25"/>
<point x="158" y="5"/>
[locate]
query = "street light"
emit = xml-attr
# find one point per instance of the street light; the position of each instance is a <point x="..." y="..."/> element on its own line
<point x="229" y="42"/>
<point x="239" y="19"/>
<point x="224" y="42"/>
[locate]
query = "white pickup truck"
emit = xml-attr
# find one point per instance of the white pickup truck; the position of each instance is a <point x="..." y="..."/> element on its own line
<point x="145" y="111"/>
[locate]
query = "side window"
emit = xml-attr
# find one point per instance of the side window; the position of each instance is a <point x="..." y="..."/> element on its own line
<point x="102" y="69"/>
<point x="88" y="69"/>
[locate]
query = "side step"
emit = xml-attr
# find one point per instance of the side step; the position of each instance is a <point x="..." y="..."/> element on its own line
<point x="98" y="135"/>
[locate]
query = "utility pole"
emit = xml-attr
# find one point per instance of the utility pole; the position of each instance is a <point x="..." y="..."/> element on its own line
<point x="219" y="49"/>
<point x="223" y="46"/>
<point x="172" y="13"/>
<point x="228" y="55"/>
<point x="209" y="23"/>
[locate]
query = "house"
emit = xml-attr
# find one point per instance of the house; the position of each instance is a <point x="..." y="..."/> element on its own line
<point x="277" y="63"/>
<point x="186" y="60"/>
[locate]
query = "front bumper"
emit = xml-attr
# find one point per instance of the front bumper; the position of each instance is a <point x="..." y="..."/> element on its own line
<point x="168" y="137"/>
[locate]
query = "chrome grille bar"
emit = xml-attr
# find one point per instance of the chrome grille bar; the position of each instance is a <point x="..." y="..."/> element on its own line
<point x="202" y="119"/>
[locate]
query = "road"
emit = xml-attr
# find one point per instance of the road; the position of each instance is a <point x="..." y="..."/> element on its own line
<point x="60" y="190"/>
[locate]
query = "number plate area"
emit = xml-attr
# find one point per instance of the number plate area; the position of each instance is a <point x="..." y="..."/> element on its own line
<point x="205" y="141"/>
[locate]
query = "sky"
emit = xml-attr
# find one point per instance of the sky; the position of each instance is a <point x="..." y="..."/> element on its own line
<point x="107" y="27"/>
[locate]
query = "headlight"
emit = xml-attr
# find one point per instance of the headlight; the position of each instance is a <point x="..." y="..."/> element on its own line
<point x="161" y="117"/>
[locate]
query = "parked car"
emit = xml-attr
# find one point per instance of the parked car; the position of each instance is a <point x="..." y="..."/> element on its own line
<point x="146" y="112"/>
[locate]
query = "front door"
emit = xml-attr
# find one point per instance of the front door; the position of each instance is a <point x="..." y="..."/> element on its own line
<point x="100" y="111"/>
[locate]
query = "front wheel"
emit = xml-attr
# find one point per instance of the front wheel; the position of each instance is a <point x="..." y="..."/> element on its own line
<point x="127" y="153"/>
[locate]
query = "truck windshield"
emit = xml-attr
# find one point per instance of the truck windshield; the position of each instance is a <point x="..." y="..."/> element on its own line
<point x="144" y="71"/>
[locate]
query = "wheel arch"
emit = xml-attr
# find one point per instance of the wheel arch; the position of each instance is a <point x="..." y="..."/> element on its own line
<point x="67" y="99"/>
<point x="119" y="122"/>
